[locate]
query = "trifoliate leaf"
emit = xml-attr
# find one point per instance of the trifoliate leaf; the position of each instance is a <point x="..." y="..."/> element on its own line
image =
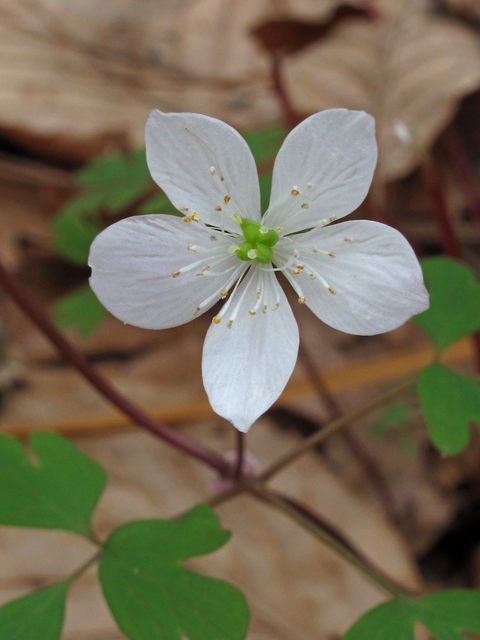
<point x="265" y="143"/>
<point x="58" y="488"/>
<point x="454" y="301"/>
<point x="449" y="402"/>
<point x="36" y="616"/>
<point x="446" y="615"/>
<point x="117" y="180"/>
<point x="81" y="310"/>
<point x="150" y="594"/>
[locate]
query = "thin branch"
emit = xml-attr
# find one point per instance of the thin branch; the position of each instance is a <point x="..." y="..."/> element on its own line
<point x="315" y="525"/>
<point x="333" y="427"/>
<point x="76" y="359"/>
<point x="356" y="448"/>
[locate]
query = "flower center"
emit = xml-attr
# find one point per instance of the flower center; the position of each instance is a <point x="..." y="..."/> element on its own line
<point x="258" y="241"/>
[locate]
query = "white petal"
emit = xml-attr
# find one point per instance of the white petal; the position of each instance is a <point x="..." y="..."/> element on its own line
<point x="246" y="367"/>
<point x="133" y="261"/>
<point x="203" y="164"/>
<point x="329" y="159"/>
<point x="376" y="276"/>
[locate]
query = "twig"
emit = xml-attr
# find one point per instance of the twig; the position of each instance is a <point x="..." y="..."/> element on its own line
<point x="333" y="427"/>
<point x="76" y="359"/>
<point x="356" y="448"/>
<point x="289" y="115"/>
<point x="314" y="524"/>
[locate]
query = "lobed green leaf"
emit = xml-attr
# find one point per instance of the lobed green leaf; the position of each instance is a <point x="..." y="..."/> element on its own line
<point x="81" y="310"/>
<point x="36" y="616"/>
<point x="446" y="615"/>
<point x="449" y="402"/>
<point x="150" y="594"/>
<point x="59" y="489"/>
<point x="454" y="301"/>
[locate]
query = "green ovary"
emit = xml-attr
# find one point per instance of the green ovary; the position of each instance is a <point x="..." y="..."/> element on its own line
<point x="258" y="242"/>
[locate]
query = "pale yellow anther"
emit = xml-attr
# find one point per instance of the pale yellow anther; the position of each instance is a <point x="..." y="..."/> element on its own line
<point x="295" y="254"/>
<point x="257" y="293"/>
<point x="196" y="216"/>
<point x="305" y="205"/>
<point x="187" y="219"/>
<point x="192" y="247"/>
<point x="331" y="254"/>
<point x="252" y="254"/>
<point x="348" y="239"/>
<point x="309" y="185"/>
<point x="218" y="208"/>
<point x="276" y="306"/>
<point x="332" y="291"/>
<point x="175" y="274"/>
<point x="252" y="312"/>
<point x="295" y="191"/>
<point x="263" y="230"/>
<point x="313" y="276"/>
<point x="301" y="300"/>
<point x="224" y="293"/>
<point x="300" y="266"/>
<point x="279" y="230"/>
<point x="229" y="324"/>
<point x="217" y="319"/>
<point x="212" y="170"/>
<point x="197" y="310"/>
<point x="213" y="238"/>
<point x="184" y="209"/>
<point x="227" y="199"/>
<point x="264" y="308"/>
<point x="296" y="272"/>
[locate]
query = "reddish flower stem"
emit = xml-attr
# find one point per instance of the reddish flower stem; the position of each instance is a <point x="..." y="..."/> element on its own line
<point x="76" y="359"/>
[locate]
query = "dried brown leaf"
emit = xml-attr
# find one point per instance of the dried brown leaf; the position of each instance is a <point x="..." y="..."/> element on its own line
<point x="410" y="66"/>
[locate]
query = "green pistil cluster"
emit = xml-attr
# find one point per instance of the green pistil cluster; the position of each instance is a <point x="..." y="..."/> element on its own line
<point x="258" y="242"/>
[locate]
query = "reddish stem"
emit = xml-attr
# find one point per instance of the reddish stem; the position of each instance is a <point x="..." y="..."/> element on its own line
<point x="76" y="359"/>
<point x="466" y="173"/>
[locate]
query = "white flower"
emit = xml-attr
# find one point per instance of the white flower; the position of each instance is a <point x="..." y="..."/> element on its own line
<point x="160" y="271"/>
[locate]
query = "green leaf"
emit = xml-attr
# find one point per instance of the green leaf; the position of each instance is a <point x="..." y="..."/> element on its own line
<point x="159" y="204"/>
<point x="36" y="616"/>
<point x="395" y="417"/>
<point x="81" y="310"/>
<point x="117" y="180"/>
<point x="446" y="615"/>
<point x="449" y="403"/>
<point x="75" y="228"/>
<point x="152" y="597"/>
<point x="59" y="489"/>
<point x="265" y="143"/>
<point x="454" y="301"/>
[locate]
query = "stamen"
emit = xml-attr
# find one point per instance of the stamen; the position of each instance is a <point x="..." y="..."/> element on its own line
<point x="224" y="294"/>
<point x="264" y="308"/>
<point x="192" y="247"/>
<point x="295" y="253"/>
<point x="252" y="312"/>
<point x="218" y="208"/>
<point x="213" y="238"/>
<point x="305" y="205"/>
<point x="332" y="291"/>
<point x="227" y="199"/>
<point x="187" y="219"/>
<point x="329" y="220"/>
<point x="175" y="274"/>
<point x="229" y="324"/>
<point x="327" y="253"/>
<point x="279" y="230"/>
<point x="276" y="306"/>
<point x="217" y="319"/>
<point x="309" y="185"/>
<point x="212" y="170"/>
<point x="295" y="191"/>
<point x="301" y="300"/>
<point x="348" y="239"/>
<point x="183" y="209"/>
<point x="196" y="216"/>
